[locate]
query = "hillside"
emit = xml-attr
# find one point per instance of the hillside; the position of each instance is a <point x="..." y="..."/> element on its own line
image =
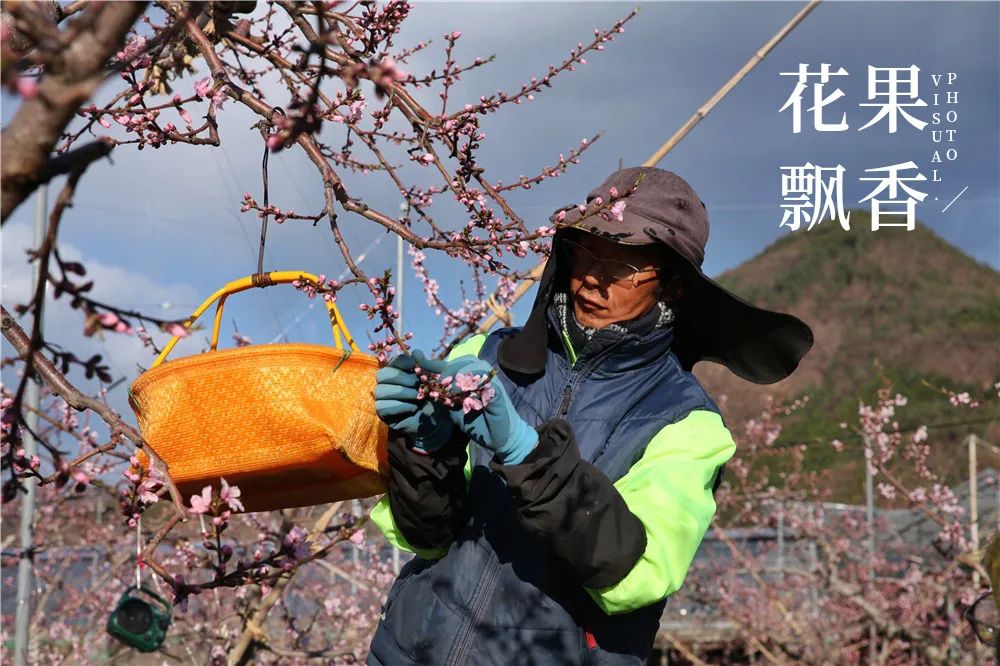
<point x="903" y="301"/>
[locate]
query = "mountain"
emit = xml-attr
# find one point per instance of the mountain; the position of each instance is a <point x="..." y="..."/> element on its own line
<point x="905" y="304"/>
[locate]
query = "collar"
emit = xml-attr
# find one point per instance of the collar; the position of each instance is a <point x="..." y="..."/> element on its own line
<point x="624" y="345"/>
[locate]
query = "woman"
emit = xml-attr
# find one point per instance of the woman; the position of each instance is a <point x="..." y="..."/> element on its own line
<point x="551" y="526"/>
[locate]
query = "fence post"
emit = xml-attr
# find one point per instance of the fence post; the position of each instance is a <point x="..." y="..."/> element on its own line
<point x="813" y="565"/>
<point x="973" y="501"/>
<point x="26" y="551"/>
<point x="870" y="517"/>
<point x="781" y="540"/>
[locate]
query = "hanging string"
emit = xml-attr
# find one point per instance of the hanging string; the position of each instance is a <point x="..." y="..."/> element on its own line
<point x="138" y="551"/>
<point x="266" y="130"/>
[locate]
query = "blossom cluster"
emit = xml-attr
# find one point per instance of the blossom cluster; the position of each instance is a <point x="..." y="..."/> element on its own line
<point x="963" y="399"/>
<point x="383" y="309"/>
<point x="279" y="215"/>
<point x="220" y="505"/>
<point x="472" y="391"/>
<point x="326" y="288"/>
<point x="612" y="209"/>
<point x="114" y="322"/>
<point x="107" y="321"/>
<point x="141" y="490"/>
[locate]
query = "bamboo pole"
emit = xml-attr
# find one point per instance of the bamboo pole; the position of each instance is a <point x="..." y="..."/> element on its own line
<point x="730" y="84"/>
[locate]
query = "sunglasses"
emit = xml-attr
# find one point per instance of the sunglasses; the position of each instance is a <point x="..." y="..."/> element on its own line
<point x="582" y="259"/>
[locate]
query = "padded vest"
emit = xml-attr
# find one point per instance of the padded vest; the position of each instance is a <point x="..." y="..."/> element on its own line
<point x="497" y="596"/>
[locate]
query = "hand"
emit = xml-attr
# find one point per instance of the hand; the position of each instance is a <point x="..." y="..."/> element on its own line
<point x="427" y="423"/>
<point x="498" y="426"/>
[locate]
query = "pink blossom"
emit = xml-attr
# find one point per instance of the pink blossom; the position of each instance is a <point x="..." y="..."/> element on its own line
<point x="613" y="192"/>
<point x="466" y="381"/>
<point x="202" y="87"/>
<point x="147" y="492"/>
<point x="176" y="329"/>
<point x="219" y="98"/>
<point x="963" y="399"/>
<point x="275" y="141"/>
<point x="294" y="536"/>
<point x="112" y="321"/>
<point x="144" y="336"/>
<point x="184" y="114"/>
<point x="132" y="49"/>
<point x="616" y="210"/>
<point x="471" y="404"/>
<point x="298" y="544"/>
<point x="481" y="394"/>
<point x="202" y="503"/>
<point x="27" y="87"/>
<point x="357" y="537"/>
<point x="231" y="496"/>
<point x="391" y="72"/>
<point x="887" y="491"/>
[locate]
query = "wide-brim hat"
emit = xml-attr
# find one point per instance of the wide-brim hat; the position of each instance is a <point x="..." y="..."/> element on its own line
<point x="650" y="206"/>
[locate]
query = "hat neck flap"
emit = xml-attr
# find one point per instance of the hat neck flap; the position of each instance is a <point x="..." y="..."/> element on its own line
<point x="758" y="345"/>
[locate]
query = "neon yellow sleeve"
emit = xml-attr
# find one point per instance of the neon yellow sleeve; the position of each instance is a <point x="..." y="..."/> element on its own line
<point x="670" y="491"/>
<point x="381" y="514"/>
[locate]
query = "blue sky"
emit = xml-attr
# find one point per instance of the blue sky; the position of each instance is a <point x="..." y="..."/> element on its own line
<point x="162" y="229"/>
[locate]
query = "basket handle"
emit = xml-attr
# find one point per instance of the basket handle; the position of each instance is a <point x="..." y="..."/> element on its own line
<point x="249" y="282"/>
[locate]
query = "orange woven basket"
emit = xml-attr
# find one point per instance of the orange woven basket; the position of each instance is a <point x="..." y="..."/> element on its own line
<point x="290" y="424"/>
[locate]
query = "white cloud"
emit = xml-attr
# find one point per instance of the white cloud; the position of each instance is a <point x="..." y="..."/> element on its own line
<point x="113" y="284"/>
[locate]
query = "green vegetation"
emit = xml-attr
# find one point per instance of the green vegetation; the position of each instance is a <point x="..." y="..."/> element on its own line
<point x="906" y="300"/>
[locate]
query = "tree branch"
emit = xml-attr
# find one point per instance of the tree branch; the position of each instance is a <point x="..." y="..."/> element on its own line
<point x="79" y="401"/>
<point x="70" y="79"/>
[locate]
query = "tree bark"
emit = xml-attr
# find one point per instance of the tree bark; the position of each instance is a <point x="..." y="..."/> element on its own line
<point x="69" y="80"/>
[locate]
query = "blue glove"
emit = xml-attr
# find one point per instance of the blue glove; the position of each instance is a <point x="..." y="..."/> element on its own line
<point x="498" y="426"/>
<point x="426" y="423"/>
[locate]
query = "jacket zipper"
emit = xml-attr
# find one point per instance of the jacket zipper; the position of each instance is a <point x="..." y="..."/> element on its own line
<point x="459" y="652"/>
<point x="567" y="393"/>
<point x="566" y="399"/>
